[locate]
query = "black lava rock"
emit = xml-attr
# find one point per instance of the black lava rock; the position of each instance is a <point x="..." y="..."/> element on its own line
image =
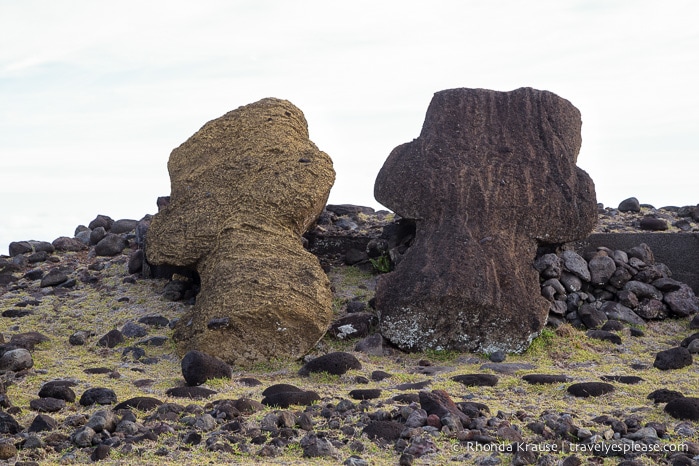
<point x="542" y="379"/>
<point x="111" y="245"/>
<point x="142" y="403"/>
<point x="194" y="393"/>
<point x="249" y="382"/>
<point x="476" y="380"/>
<point x="378" y="376"/>
<point x="8" y="424"/>
<point x="280" y="388"/>
<point x="198" y="367"/>
<point x="286" y="399"/>
<point x="413" y="385"/>
<point x="111" y="339"/>
<point x="47" y="405"/>
<point x="365" y="394"/>
<point x="154" y="321"/>
<point x="683" y="408"/>
<point x="386" y="430"/>
<point x="98" y="395"/>
<point x="663" y="395"/>
<point x="604" y="336"/>
<point x="627" y="379"/>
<point x="43" y="423"/>
<point x="673" y="358"/>
<point x="587" y="389"/>
<point x="333" y="363"/>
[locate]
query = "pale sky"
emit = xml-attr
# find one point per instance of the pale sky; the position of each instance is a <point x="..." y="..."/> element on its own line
<point x="94" y="95"/>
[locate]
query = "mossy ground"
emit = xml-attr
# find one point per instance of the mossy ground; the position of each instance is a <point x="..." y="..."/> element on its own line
<point x="110" y="303"/>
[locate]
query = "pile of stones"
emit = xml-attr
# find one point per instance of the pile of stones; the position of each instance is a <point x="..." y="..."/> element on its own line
<point x="625" y="286"/>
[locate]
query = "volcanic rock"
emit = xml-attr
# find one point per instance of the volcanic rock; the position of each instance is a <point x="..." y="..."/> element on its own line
<point x="484" y="163"/>
<point x="54" y="277"/>
<point x="630" y="205"/>
<point x="42" y="423"/>
<point x="98" y="395"/>
<point x="673" y="358"/>
<point x="365" y="394"/>
<point x="683" y="408"/>
<point x="587" y="389"/>
<point x="198" y="367"/>
<point x="58" y="389"/>
<point x="285" y="399"/>
<point x="111" y="339"/>
<point x="244" y="189"/>
<point x="386" y="430"/>
<point x="476" y="380"/>
<point x="16" y="360"/>
<point x="544" y="378"/>
<point x="142" y="403"/>
<point x="111" y="245"/>
<point x="336" y="363"/>
<point x="440" y="403"/>
<point x="192" y="392"/>
<point x="47" y="405"/>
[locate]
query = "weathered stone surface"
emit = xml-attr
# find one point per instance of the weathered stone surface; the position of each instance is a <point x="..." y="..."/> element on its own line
<point x="673" y="358"/>
<point x="630" y="205"/>
<point x="244" y="188"/>
<point x="198" y="367"/>
<point x="491" y="176"/>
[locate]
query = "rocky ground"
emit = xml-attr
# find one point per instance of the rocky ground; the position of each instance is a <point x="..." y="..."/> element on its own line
<point x="89" y="373"/>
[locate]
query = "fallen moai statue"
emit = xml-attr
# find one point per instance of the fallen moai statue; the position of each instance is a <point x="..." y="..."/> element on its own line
<point x="244" y="188"/>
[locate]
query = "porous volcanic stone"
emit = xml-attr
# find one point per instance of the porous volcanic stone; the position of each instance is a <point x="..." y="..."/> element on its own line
<point x="47" y="405"/>
<point x="198" y="367"/>
<point x="142" y="403"/>
<point x="111" y="339"/>
<point x="663" y="395"/>
<point x="476" y="380"/>
<point x="365" y="394"/>
<point x="195" y="393"/>
<point x="386" y="430"/>
<point x="540" y="379"/>
<point x="280" y="388"/>
<point x="683" y="408"/>
<point x="627" y="379"/>
<point x="286" y="399"/>
<point x="587" y="389"/>
<point x="111" y="245"/>
<point x="43" y="423"/>
<point x="336" y="363"/>
<point x="8" y="424"/>
<point x="491" y="176"/>
<point x="98" y="395"/>
<point x="673" y="358"/>
<point x="244" y="189"/>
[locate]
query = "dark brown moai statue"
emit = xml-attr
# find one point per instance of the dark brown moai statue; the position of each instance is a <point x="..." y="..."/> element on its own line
<point x="244" y="189"/>
<point x="491" y="176"/>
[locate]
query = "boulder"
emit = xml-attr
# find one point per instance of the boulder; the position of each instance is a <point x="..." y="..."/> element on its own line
<point x="490" y="178"/>
<point x="630" y="205"/>
<point x="244" y="189"/>
<point x="198" y="367"/>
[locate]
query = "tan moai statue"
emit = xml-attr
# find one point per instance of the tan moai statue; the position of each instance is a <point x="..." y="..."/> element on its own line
<point x="244" y="189"/>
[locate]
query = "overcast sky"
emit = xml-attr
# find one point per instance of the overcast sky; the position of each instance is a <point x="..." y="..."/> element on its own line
<point x="94" y="95"/>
